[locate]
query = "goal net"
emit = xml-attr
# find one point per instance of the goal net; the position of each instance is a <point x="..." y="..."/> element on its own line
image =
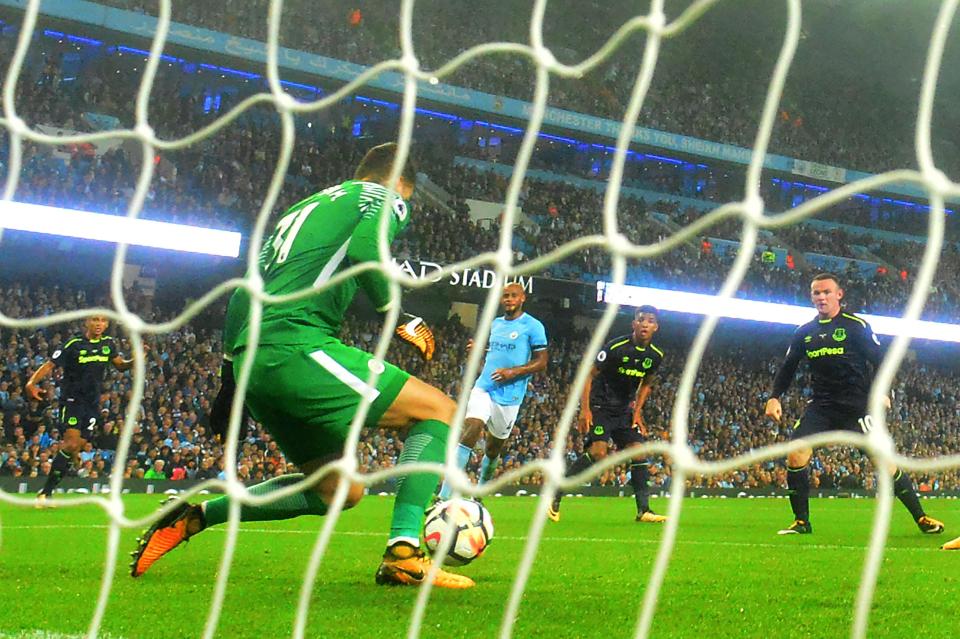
<point x="748" y="212"/>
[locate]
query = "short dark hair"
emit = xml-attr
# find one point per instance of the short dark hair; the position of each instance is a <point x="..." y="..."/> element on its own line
<point x="646" y="308"/>
<point x="826" y="275"/>
<point x="378" y="161"/>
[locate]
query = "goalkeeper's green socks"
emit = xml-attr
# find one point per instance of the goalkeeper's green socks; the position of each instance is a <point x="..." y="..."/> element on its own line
<point x="305" y="502"/>
<point x="427" y="442"/>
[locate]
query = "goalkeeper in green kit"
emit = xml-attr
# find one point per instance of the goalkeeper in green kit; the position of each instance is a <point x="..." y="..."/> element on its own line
<point x="306" y="386"/>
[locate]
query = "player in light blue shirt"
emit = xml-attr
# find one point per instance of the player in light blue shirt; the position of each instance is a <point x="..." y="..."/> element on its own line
<point x="517" y="349"/>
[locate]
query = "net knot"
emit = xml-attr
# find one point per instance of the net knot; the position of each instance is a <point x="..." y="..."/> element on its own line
<point x="881" y="443"/>
<point x="285" y="102"/>
<point x="412" y="65"/>
<point x="545" y="58"/>
<point x="504" y="259"/>
<point x="683" y="456"/>
<point x="657" y="21"/>
<point x="346" y="465"/>
<point x="114" y="507"/>
<point x="144" y="132"/>
<point x="938" y="182"/>
<point x="236" y="490"/>
<point x="556" y="471"/>
<point x="16" y="125"/>
<point x="133" y="323"/>
<point x="753" y="207"/>
<point x="619" y="244"/>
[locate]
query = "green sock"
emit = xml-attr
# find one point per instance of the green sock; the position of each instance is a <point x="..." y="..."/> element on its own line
<point x="305" y="502"/>
<point x="427" y="442"/>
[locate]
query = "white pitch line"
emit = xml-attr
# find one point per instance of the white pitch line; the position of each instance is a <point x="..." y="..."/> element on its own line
<point x="578" y="540"/>
<point x="46" y="634"/>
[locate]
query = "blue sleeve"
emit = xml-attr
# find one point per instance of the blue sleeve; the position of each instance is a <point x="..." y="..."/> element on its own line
<point x="538" y="336"/>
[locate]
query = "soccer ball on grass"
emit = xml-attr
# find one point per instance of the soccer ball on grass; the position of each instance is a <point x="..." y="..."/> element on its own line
<point x="469" y="523"/>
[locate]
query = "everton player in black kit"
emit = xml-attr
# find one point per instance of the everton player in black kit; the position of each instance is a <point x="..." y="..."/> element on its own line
<point x="622" y="377"/>
<point x="843" y="354"/>
<point x="84" y="360"/>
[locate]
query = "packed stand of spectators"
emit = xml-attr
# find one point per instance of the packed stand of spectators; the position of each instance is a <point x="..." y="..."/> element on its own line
<point x="914" y="221"/>
<point x="171" y="439"/>
<point x="724" y="78"/>
<point x="832" y="242"/>
<point x="219" y="182"/>
<point x="712" y="183"/>
<point x="558" y="212"/>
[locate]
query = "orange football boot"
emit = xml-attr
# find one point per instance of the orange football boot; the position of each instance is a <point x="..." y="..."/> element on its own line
<point x="167" y="533"/>
<point x="404" y="565"/>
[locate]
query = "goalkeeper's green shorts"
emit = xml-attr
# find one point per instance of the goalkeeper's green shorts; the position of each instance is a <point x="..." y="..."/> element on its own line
<point x="306" y="396"/>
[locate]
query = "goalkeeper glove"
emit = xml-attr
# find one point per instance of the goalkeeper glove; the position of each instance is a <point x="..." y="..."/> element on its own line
<point x="416" y="332"/>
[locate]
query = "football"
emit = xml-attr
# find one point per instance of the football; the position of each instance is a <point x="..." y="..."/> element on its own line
<point x="469" y="523"/>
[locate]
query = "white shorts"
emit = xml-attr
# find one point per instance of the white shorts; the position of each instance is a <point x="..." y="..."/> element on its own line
<point x="499" y="419"/>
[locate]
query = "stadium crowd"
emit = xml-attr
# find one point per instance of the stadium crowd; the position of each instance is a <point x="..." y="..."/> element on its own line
<point x="171" y="439"/>
<point x="220" y="181"/>
<point x="195" y="185"/>
<point x="560" y="212"/>
<point x="719" y="99"/>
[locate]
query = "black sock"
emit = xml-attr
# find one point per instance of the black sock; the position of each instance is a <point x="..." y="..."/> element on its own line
<point x="58" y="468"/>
<point x="798" y="483"/>
<point x="905" y="492"/>
<point x="583" y="462"/>
<point x="639" y="477"/>
<point x="220" y="410"/>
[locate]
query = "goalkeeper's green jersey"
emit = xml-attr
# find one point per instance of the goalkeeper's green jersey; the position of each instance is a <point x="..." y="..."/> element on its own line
<point x="314" y="240"/>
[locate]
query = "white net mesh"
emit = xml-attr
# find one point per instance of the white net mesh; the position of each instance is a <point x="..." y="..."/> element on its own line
<point x="749" y="211"/>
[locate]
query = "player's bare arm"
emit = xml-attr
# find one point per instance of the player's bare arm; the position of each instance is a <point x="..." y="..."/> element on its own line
<point x="537" y="364"/>
<point x="781" y="383"/>
<point x="643" y="392"/>
<point x="32" y="386"/>
<point x="585" y="419"/>
<point x="773" y="409"/>
<point x="126" y="364"/>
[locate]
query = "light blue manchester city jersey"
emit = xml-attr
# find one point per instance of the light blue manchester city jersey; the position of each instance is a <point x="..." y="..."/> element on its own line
<point x="511" y="344"/>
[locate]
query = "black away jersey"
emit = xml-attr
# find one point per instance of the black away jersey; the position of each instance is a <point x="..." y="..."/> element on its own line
<point x="843" y="354"/>
<point x="84" y="363"/>
<point x="623" y="366"/>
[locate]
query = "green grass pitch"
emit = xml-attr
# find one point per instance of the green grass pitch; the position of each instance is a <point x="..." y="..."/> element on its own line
<point x="731" y="575"/>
